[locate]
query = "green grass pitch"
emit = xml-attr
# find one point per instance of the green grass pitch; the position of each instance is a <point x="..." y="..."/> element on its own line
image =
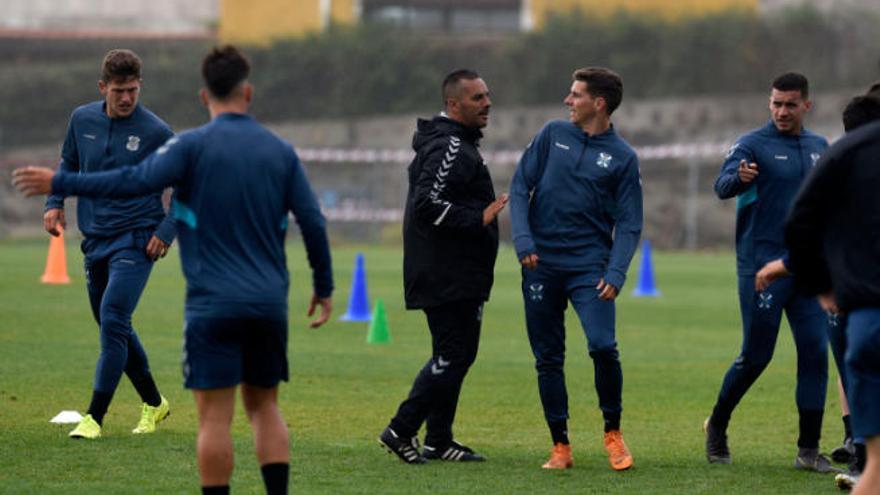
<point x="674" y="350"/>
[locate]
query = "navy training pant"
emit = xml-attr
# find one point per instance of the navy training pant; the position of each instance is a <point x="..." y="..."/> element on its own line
<point x="546" y="292"/>
<point x="761" y="317"/>
<point x="863" y="371"/>
<point x="116" y="273"/>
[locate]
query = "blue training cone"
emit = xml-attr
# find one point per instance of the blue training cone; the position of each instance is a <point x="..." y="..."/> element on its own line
<point x="645" y="286"/>
<point x="358" y="303"/>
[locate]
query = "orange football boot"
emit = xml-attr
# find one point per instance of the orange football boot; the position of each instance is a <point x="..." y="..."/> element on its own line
<point x="618" y="455"/>
<point x="560" y="457"/>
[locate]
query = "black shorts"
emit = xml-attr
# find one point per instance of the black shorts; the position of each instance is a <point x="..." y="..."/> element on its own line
<point x="223" y="352"/>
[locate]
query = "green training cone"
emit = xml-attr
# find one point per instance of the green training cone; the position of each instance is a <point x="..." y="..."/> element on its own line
<point x="378" y="332"/>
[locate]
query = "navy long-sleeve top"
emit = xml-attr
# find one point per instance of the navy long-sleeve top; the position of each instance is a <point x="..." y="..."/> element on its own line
<point x="94" y="143"/>
<point x="235" y="184"/>
<point x="576" y="201"/>
<point x="784" y="160"/>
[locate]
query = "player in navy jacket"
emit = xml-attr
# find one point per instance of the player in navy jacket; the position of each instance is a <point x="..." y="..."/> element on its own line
<point x="122" y="237"/>
<point x="576" y="213"/>
<point x="764" y="170"/>
<point x="861" y="110"/>
<point x="235" y="185"/>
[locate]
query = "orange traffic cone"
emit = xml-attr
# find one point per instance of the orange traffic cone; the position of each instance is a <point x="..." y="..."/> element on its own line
<point x="56" y="262"/>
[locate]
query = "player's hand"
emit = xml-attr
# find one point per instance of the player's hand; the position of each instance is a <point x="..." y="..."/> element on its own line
<point x="494" y="209"/>
<point x="530" y="261"/>
<point x="769" y="273"/>
<point x="747" y="171"/>
<point x="607" y="292"/>
<point x="828" y="302"/>
<point x="32" y="181"/>
<point x="326" y="304"/>
<point x="52" y="219"/>
<point x="157" y="248"/>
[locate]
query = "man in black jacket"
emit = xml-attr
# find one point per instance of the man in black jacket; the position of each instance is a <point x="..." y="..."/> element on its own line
<point x="833" y="237"/>
<point x="450" y="241"/>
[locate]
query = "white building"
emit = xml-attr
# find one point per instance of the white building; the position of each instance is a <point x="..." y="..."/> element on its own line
<point x="97" y="17"/>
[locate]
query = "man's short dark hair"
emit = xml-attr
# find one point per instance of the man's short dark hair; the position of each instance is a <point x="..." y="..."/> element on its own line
<point x="223" y="70"/>
<point x="602" y="83"/>
<point x="120" y="65"/>
<point x="450" y="82"/>
<point x="874" y="90"/>
<point x="861" y="110"/>
<point x="792" y="81"/>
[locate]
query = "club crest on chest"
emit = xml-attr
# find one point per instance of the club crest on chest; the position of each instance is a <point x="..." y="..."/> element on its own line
<point x="133" y="143"/>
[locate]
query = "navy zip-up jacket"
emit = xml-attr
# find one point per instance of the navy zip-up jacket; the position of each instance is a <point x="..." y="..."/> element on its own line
<point x="234" y="184"/>
<point x="95" y="143"/>
<point x="576" y="201"/>
<point x="784" y="160"/>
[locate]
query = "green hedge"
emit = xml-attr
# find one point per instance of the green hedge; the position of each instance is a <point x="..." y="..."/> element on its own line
<point x="347" y="72"/>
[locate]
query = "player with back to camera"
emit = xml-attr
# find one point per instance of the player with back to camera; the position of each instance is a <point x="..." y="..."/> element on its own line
<point x="235" y="185"/>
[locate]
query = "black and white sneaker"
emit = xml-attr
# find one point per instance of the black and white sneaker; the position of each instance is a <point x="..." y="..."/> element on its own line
<point x="846" y="481"/>
<point x="407" y="449"/>
<point x="453" y="452"/>
<point x="812" y="460"/>
<point x="716" y="444"/>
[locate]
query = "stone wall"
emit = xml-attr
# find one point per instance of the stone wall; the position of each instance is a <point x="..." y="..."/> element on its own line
<point x="364" y="199"/>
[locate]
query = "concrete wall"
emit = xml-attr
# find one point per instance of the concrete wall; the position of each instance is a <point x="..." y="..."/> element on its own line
<point x="681" y="210"/>
<point x="364" y="196"/>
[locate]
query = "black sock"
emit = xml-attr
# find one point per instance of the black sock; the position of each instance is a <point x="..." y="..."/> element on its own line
<point x="146" y="388"/>
<point x="276" y="477"/>
<point x="215" y="490"/>
<point x="559" y="431"/>
<point x="810" y="428"/>
<point x="612" y="421"/>
<point x="720" y="416"/>
<point x="847" y="428"/>
<point x="99" y="405"/>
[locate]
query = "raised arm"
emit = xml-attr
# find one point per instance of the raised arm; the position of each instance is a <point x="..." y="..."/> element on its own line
<point x="165" y="167"/>
<point x="738" y="171"/>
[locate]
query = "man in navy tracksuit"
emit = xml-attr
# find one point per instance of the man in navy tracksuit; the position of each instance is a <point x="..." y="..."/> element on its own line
<point x="235" y="185"/>
<point x="764" y="170"/>
<point x="450" y="242"/>
<point x="122" y="237"/>
<point x="576" y="213"/>
<point x="861" y="110"/>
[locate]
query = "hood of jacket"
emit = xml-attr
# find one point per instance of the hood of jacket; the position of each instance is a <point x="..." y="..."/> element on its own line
<point x="440" y="126"/>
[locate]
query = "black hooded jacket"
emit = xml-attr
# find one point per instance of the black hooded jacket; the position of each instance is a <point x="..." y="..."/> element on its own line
<point x="448" y="255"/>
<point x="833" y="228"/>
